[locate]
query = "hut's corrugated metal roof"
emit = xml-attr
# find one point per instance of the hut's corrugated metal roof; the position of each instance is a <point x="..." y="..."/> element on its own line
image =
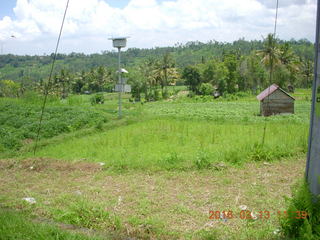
<point x="268" y="91"/>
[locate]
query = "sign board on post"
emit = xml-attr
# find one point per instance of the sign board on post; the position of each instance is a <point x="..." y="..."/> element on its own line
<point x="127" y="88"/>
<point x="122" y="88"/>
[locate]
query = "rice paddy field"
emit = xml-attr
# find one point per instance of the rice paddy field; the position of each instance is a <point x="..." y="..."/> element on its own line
<point x="157" y="173"/>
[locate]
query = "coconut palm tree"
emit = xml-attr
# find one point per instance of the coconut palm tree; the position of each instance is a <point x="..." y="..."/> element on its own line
<point x="290" y="61"/>
<point x="270" y="55"/>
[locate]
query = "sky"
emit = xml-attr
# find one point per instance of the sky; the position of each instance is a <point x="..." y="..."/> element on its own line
<point x="35" y="24"/>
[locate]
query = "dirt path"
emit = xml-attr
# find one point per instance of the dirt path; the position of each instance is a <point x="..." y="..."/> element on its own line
<point x="167" y="204"/>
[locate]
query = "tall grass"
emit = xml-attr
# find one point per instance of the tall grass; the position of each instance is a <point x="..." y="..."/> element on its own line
<point x="177" y="144"/>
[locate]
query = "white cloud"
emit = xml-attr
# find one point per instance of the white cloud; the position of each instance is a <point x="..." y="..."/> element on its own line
<point x="283" y="3"/>
<point x="150" y="23"/>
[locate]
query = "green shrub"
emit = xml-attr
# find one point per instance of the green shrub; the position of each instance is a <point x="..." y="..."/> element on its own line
<point x="165" y="94"/>
<point x="191" y="94"/>
<point x="294" y="227"/>
<point x="206" y="89"/>
<point x="156" y="95"/>
<point x="97" y="99"/>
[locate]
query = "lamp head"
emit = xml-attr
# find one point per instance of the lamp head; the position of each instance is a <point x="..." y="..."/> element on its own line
<point x="119" y="42"/>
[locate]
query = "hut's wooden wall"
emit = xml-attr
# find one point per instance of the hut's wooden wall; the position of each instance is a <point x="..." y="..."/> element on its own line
<point x="278" y="102"/>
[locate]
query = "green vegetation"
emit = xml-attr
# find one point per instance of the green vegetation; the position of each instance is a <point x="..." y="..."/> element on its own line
<point x="15" y="225"/>
<point x="213" y="67"/>
<point x="295" y="224"/>
<point x="19" y="119"/>
<point x="175" y="144"/>
<point x="180" y="134"/>
<point x="178" y="152"/>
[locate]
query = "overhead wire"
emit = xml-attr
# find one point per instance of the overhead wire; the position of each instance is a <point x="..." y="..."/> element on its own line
<point x="271" y="70"/>
<point x="48" y="85"/>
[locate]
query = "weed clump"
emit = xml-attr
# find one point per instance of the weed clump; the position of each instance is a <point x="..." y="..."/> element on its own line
<point x="97" y="99"/>
<point x="261" y="153"/>
<point x="170" y="161"/>
<point x="296" y="227"/>
<point x="202" y="160"/>
<point x="83" y="214"/>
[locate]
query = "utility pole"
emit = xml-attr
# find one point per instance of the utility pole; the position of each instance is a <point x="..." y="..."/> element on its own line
<point x="313" y="159"/>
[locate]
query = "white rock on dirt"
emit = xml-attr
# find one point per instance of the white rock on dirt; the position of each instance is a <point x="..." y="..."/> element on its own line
<point x="243" y="207"/>
<point x="78" y="192"/>
<point x="30" y="200"/>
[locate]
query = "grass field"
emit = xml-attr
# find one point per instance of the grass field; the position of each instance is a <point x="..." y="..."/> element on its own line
<point x="156" y="173"/>
<point x="15" y="225"/>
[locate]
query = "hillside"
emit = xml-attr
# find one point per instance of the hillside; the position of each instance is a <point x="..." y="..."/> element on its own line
<point x="33" y="68"/>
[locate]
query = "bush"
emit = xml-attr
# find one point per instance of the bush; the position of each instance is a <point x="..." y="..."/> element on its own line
<point x="97" y="99"/>
<point x="306" y="228"/>
<point x="191" y="94"/>
<point x="206" y="89"/>
<point x="165" y="94"/>
<point x="156" y="95"/>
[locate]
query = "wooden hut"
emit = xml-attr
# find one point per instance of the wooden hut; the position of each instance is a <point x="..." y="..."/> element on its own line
<point x="275" y="100"/>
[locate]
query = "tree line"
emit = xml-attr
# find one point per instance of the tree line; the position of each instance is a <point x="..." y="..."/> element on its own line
<point x="206" y="68"/>
<point x="276" y="62"/>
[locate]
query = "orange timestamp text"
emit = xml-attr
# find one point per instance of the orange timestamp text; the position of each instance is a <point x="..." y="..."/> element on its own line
<point x="247" y="214"/>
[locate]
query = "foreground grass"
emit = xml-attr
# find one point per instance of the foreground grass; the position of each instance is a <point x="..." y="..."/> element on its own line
<point x="163" y="205"/>
<point x="15" y="225"/>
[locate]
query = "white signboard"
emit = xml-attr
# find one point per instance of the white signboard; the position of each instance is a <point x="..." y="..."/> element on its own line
<point x="122" y="88"/>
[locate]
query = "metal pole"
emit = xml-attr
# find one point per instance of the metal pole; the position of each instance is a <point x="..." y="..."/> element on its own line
<point x="120" y="83"/>
<point x="313" y="159"/>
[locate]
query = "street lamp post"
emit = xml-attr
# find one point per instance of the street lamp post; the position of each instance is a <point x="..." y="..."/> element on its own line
<point x="119" y="43"/>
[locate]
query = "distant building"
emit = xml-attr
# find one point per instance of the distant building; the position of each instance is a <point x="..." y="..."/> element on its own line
<point x="275" y="100"/>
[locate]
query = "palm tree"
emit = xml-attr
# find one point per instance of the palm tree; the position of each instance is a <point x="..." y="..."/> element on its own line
<point x="164" y="70"/>
<point x="306" y="72"/>
<point x="270" y="55"/>
<point x="290" y="61"/>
